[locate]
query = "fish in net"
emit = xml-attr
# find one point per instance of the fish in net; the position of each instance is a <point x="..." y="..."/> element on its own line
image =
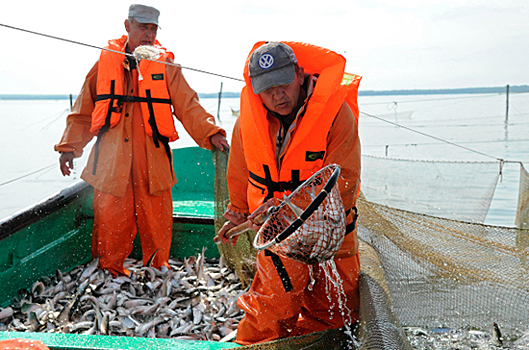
<point x="309" y="224"/>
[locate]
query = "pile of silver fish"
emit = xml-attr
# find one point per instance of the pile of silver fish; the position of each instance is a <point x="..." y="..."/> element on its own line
<point x="195" y="299"/>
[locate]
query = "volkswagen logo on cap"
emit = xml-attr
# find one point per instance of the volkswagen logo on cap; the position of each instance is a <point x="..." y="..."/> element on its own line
<point x="266" y="61"/>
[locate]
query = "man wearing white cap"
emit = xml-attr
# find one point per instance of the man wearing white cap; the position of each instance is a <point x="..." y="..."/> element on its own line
<point x="298" y="114"/>
<point x="129" y="103"/>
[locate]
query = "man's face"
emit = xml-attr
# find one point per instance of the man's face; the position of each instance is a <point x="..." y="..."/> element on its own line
<point x="140" y="33"/>
<point x="282" y="99"/>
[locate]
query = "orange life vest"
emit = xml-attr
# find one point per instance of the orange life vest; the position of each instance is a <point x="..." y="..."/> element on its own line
<point x="153" y="95"/>
<point x="306" y="151"/>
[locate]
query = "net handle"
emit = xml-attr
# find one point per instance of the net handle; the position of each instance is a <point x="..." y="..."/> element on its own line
<point x="306" y="213"/>
<point x="245" y="226"/>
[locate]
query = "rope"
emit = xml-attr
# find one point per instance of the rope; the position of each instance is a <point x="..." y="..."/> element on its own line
<point x="433" y="99"/>
<point x="23" y="176"/>
<point x="122" y="53"/>
<point x="501" y="160"/>
<point x="433" y="143"/>
<point x="482" y="95"/>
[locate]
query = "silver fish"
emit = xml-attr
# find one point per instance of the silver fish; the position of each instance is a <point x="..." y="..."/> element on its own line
<point x="497" y="339"/>
<point x="89" y="270"/>
<point x="34" y="323"/>
<point x="104" y="325"/>
<point x="194" y="299"/>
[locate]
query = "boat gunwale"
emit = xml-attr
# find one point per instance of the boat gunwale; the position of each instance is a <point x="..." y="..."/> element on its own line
<point x="55" y="202"/>
<point x="47" y="206"/>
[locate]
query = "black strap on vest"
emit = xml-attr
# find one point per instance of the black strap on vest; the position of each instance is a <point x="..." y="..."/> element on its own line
<point x="112" y="96"/>
<point x="128" y="98"/>
<point x="281" y="270"/>
<point x="273" y="186"/>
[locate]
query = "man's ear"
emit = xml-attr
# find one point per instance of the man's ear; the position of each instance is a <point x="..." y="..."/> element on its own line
<point x="127" y="25"/>
<point x="301" y="75"/>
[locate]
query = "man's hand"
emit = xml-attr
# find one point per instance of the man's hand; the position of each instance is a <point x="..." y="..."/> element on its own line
<point x="259" y="216"/>
<point x="234" y="220"/>
<point x="218" y="140"/>
<point x="221" y="236"/>
<point x="66" y="163"/>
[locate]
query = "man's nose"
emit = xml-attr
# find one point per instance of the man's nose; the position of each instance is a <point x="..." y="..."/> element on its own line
<point x="279" y="91"/>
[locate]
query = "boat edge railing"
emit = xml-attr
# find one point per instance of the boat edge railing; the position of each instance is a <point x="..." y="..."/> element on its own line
<point x="34" y="213"/>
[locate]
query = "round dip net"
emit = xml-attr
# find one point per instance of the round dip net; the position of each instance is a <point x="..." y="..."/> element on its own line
<point x="309" y="224"/>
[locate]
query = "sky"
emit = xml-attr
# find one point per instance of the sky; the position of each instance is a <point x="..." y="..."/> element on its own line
<point x="392" y="44"/>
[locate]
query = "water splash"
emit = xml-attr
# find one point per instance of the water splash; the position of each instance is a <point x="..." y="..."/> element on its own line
<point x="334" y="284"/>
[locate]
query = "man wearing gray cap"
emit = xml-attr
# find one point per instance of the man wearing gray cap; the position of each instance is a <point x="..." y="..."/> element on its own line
<point x="129" y="103"/>
<point x="298" y="114"/>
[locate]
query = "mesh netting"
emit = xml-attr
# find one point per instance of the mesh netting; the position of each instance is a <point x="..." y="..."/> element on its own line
<point x="241" y="258"/>
<point x="379" y="327"/>
<point x="447" y="273"/>
<point x="522" y="213"/>
<point x="332" y="339"/>
<point x="453" y="190"/>
<point x="302" y="230"/>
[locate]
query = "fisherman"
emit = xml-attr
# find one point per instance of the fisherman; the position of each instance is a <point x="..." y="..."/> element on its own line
<point x="298" y="114"/>
<point x="129" y="106"/>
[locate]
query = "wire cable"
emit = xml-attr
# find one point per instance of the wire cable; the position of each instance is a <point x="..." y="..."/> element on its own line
<point x="434" y="99"/>
<point x="440" y="139"/>
<point x="23" y="176"/>
<point x="122" y="53"/>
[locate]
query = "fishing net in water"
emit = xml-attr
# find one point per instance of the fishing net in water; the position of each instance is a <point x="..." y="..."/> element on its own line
<point x="332" y="339"/>
<point x="240" y="258"/>
<point x="309" y="224"/>
<point x="442" y="266"/>
<point x="450" y="274"/>
<point x="448" y="189"/>
<point x="522" y="213"/>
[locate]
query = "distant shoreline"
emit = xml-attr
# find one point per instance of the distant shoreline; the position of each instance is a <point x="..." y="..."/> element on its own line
<point x="482" y="90"/>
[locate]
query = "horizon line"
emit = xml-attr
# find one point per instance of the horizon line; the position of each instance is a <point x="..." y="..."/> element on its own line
<point x="468" y="90"/>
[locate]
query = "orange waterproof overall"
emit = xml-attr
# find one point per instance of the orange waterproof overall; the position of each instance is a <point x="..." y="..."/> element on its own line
<point x="282" y="301"/>
<point x="133" y="174"/>
<point x="118" y="219"/>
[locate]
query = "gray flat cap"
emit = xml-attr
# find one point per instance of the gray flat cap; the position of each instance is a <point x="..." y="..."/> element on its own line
<point x="144" y="14"/>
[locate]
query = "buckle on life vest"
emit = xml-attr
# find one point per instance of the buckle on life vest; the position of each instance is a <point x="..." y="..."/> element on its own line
<point x="273" y="186"/>
<point x="127" y="98"/>
<point x="116" y="109"/>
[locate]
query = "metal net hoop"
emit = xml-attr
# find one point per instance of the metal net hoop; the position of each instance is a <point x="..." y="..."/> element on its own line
<point x="309" y="224"/>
